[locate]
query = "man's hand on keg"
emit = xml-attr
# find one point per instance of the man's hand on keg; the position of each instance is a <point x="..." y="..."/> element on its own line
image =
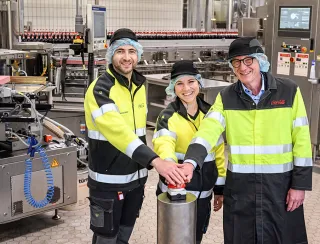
<point x="170" y="171"/>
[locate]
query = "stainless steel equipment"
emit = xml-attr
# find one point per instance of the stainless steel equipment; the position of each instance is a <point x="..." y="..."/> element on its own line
<point x="7" y="57"/>
<point x="47" y="178"/>
<point x="10" y="23"/>
<point x="209" y="56"/>
<point x="12" y="167"/>
<point x="248" y="26"/>
<point x="176" y="220"/>
<point x="71" y="78"/>
<point x="292" y="45"/>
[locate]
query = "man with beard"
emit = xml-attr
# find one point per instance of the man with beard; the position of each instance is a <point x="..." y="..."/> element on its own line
<point x="116" y="114"/>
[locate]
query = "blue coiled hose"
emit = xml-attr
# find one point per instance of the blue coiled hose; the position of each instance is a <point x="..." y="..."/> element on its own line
<point x="27" y="179"/>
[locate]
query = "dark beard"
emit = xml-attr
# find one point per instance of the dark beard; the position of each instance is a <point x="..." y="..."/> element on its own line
<point x="121" y="71"/>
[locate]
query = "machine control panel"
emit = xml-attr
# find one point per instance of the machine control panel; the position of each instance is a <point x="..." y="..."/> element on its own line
<point x="293" y="48"/>
<point x="97" y="24"/>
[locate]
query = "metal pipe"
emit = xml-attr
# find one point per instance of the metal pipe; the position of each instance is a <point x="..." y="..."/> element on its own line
<point x="230" y="7"/>
<point x="198" y="19"/>
<point x="190" y="14"/>
<point x="77" y="7"/>
<point x="208" y="15"/>
<point x="4" y="31"/>
<point x="9" y="23"/>
<point x="21" y="15"/>
<point x="1" y="42"/>
<point x="79" y="18"/>
<point x="249" y="8"/>
<point x="80" y="7"/>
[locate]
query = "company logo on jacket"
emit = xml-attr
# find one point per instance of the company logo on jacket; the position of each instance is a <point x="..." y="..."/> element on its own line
<point x="278" y="102"/>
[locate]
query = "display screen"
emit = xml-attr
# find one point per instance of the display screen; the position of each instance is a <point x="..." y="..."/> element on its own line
<point x="99" y="24"/>
<point x="295" y="18"/>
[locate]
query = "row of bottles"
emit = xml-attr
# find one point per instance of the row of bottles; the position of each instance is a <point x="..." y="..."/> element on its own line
<point x="68" y="37"/>
<point x="176" y="35"/>
<point x="51" y="37"/>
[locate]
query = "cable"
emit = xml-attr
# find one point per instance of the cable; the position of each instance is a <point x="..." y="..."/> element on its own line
<point x="25" y="73"/>
<point x="80" y="161"/>
<point x="20" y="138"/>
<point x="28" y="176"/>
<point x="37" y="117"/>
<point x="56" y="123"/>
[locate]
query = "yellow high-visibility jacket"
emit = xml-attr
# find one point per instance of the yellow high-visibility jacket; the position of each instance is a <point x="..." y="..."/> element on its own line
<point x="173" y="134"/>
<point x="116" y="121"/>
<point x="270" y="152"/>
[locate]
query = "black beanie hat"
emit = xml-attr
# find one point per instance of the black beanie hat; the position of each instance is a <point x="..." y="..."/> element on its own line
<point x="244" y="46"/>
<point x="183" y="67"/>
<point x="123" y="33"/>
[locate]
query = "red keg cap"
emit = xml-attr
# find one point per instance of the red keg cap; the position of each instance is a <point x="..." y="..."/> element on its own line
<point x="177" y="186"/>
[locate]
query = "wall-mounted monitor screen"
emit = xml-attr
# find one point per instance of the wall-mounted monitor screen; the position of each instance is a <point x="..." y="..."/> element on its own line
<point x="295" y="18"/>
<point x="99" y="24"/>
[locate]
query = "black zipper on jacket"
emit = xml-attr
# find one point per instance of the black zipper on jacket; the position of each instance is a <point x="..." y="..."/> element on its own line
<point x="134" y="121"/>
<point x="132" y="99"/>
<point x="113" y="161"/>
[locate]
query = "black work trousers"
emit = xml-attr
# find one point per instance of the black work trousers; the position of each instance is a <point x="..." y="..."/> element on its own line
<point x="109" y="213"/>
<point x="203" y="216"/>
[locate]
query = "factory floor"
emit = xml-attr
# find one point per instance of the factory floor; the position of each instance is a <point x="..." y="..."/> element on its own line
<point x="73" y="225"/>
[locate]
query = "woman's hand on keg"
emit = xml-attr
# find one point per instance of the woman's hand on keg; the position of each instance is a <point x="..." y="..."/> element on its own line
<point x="217" y="202"/>
<point x="187" y="169"/>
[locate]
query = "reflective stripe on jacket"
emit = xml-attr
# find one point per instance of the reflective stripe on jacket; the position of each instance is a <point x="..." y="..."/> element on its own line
<point x="270" y="152"/>
<point x="173" y="134"/>
<point x="116" y="122"/>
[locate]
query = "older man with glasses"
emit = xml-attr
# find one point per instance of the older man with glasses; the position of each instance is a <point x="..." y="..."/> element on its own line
<point x="270" y="159"/>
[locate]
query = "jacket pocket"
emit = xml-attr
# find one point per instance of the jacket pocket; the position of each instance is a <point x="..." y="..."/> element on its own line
<point x="101" y="213"/>
<point x="97" y="216"/>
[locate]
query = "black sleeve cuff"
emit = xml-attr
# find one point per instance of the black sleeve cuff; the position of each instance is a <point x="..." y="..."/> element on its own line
<point x="197" y="153"/>
<point x="144" y="156"/>
<point x="218" y="190"/>
<point x="302" y="178"/>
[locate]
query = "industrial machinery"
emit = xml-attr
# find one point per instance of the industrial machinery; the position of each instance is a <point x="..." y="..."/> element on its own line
<point x="71" y="79"/>
<point x="209" y="56"/>
<point x="172" y="208"/>
<point x="94" y="36"/>
<point x="8" y="58"/>
<point x="75" y="66"/>
<point x="73" y="73"/>
<point x="292" y="46"/>
<point x="38" y="170"/>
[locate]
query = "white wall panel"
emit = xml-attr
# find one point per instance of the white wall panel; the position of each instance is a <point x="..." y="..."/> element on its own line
<point x="59" y="15"/>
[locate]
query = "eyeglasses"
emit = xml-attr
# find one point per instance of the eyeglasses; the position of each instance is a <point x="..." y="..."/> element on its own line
<point x="237" y="62"/>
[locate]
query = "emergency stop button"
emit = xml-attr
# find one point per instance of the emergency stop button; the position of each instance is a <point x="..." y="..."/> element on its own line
<point x="292" y="60"/>
<point x="304" y="49"/>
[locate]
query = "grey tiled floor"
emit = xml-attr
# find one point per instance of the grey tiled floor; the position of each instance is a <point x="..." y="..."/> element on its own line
<point x="73" y="226"/>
